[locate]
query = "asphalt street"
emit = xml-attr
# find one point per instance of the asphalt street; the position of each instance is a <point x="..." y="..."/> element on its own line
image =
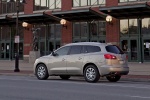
<point x="29" y="88"/>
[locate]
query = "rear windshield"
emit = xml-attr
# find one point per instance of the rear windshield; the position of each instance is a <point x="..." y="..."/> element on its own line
<point x="114" y="49"/>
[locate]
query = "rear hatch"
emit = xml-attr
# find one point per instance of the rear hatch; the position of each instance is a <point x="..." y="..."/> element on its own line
<point x="115" y="56"/>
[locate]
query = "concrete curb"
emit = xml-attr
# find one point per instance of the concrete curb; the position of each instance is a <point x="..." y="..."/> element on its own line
<point x="134" y="78"/>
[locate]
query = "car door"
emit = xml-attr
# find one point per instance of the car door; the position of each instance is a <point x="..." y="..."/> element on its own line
<point x="57" y="63"/>
<point x="75" y="60"/>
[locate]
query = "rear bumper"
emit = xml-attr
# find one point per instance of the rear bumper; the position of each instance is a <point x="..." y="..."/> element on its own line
<point x="114" y="70"/>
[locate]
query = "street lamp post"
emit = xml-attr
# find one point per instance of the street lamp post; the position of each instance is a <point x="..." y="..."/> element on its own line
<point x="17" y="38"/>
<point x="17" y="42"/>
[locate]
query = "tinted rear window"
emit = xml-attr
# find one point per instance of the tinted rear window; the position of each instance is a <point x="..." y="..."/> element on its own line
<point x="114" y="49"/>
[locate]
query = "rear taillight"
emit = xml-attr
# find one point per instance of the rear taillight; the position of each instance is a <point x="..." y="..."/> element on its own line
<point x="110" y="56"/>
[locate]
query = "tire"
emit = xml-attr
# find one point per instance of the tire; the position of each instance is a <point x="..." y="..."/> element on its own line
<point x="65" y="77"/>
<point x="91" y="74"/>
<point x="113" y="78"/>
<point x="41" y="72"/>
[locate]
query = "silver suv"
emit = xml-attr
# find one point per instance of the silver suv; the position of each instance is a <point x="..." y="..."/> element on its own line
<point x="89" y="59"/>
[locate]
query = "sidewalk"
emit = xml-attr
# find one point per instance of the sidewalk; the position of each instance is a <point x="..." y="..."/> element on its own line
<point x="138" y="71"/>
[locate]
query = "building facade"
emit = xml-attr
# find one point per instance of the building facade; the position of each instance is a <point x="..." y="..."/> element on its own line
<point x="86" y="21"/>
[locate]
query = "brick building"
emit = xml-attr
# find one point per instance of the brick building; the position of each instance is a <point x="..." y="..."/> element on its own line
<point x="86" y="21"/>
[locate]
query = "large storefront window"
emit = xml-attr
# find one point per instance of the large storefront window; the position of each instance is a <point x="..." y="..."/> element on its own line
<point x="47" y="4"/>
<point x="49" y="38"/>
<point x="79" y="3"/>
<point x="133" y="27"/>
<point x="7" y="44"/>
<point x="130" y="0"/>
<point x="124" y="27"/>
<point x="10" y="7"/>
<point x="87" y="31"/>
<point x="135" y="38"/>
<point x="146" y="38"/>
<point x="128" y="27"/>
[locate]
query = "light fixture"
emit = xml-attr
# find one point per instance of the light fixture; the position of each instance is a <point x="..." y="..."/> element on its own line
<point x="25" y="25"/>
<point x="23" y="1"/>
<point x="63" y="22"/>
<point x="109" y="19"/>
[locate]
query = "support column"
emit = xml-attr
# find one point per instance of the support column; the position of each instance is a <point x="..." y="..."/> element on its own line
<point x="140" y="41"/>
<point x="112" y="32"/>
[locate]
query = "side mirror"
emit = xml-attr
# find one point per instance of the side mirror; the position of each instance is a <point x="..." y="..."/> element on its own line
<point x="54" y="54"/>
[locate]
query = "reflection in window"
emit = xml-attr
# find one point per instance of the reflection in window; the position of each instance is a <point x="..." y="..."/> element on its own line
<point x="124" y="27"/>
<point x="128" y="0"/>
<point x="76" y="30"/>
<point x="128" y="26"/>
<point x="101" y="28"/>
<point x="58" y="30"/>
<point x="94" y="2"/>
<point x="75" y="50"/>
<point x="63" y="51"/>
<point x="52" y="28"/>
<point x="84" y="31"/>
<point x="93" y="29"/>
<point x="83" y="2"/>
<point x="47" y="4"/>
<point x="133" y="26"/>
<point x="78" y="3"/>
<point x="10" y="7"/>
<point x="42" y="31"/>
<point x="146" y="26"/>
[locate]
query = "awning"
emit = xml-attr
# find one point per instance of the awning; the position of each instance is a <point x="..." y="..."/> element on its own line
<point x="37" y="18"/>
<point x="79" y="15"/>
<point x="6" y="20"/>
<point x="29" y="18"/>
<point x="128" y="11"/>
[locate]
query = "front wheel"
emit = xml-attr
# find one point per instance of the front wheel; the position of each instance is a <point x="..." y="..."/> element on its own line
<point x="91" y="73"/>
<point x="41" y="72"/>
<point x="113" y="78"/>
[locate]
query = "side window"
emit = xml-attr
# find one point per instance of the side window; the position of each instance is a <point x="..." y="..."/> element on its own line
<point x="63" y="51"/>
<point x="75" y="50"/>
<point x="93" y="49"/>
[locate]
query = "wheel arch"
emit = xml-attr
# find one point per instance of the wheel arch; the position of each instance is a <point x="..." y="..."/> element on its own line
<point x="43" y="64"/>
<point x="90" y="64"/>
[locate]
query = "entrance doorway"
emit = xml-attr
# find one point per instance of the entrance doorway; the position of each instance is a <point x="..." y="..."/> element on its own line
<point x="5" y="50"/>
<point x="130" y="47"/>
<point x="146" y="49"/>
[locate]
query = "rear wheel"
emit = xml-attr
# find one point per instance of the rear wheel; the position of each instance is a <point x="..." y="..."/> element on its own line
<point x="65" y="77"/>
<point x="113" y="78"/>
<point x="91" y="73"/>
<point x="41" y="72"/>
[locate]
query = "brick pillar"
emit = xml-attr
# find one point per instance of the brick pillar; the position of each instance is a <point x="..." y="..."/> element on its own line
<point x="28" y="9"/>
<point x="111" y="3"/>
<point x="67" y="33"/>
<point x="112" y="30"/>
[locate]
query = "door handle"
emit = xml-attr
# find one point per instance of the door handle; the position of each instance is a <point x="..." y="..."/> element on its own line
<point x="63" y="59"/>
<point x="80" y="58"/>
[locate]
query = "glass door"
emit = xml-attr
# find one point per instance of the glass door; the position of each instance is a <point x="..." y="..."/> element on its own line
<point x="146" y="49"/>
<point x="133" y="50"/>
<point x="5" y="50"/>
<point x="130" y="47"/>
